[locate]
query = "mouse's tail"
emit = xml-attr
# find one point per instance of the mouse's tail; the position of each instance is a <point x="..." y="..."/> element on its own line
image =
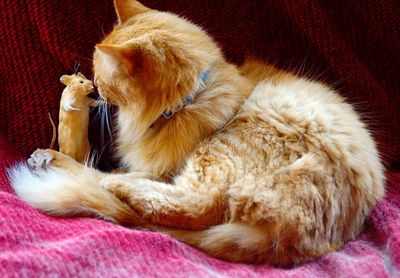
<point x="54" y="137"/>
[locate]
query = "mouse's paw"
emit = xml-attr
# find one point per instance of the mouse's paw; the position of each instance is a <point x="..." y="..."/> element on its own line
<point x="41" y="159"/>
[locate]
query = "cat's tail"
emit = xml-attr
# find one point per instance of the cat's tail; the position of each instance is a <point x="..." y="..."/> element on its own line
<point x="238" y="242"/>
<point x="58" y="192"/>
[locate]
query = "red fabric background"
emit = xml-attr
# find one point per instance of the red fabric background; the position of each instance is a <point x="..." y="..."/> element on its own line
<point x="353" y="45"/>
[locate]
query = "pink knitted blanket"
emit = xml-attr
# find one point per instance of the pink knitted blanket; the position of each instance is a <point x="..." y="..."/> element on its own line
<point x="36" y="245"/>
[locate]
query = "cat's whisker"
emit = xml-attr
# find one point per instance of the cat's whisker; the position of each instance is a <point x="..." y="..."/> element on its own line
<point x="96" y="158"/>
<point x="100" y="154"/>
<point x="86" y="58"/>
<point x="97" y="113"/>
<point x="90" y="158"/>
<point x="102" y="131"/>
<point x="105" y="122"/>
<point x="108" y="120"/>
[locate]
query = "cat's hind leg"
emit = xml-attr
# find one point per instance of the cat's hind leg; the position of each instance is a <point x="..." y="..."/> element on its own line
<point x="293" y="208"/>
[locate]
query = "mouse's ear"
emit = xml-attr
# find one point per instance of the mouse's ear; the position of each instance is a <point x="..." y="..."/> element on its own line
<point x="80" y="75"/>
<point x="65" y="79"/>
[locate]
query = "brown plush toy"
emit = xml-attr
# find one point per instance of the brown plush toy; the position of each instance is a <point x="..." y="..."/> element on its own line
<point x="74" y="116"/>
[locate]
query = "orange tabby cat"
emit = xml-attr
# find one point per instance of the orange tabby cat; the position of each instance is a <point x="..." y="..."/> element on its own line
<point x="256" y="165"/>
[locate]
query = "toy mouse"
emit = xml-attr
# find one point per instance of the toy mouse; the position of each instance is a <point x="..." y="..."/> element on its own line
<point x="74" y="116"/>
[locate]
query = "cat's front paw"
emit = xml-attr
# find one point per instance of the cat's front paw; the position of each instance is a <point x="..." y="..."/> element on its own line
<point x="114" y="185"/>
<point x="114" y="182"/>
<point x="109" y="182"/>
<point x="40" y="159"/>
<point x="131" y="189"/>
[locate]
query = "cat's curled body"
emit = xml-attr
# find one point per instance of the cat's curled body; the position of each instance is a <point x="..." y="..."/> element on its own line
<point x="263" y="166"/>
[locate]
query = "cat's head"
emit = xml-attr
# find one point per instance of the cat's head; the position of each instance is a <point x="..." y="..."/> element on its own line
<point x="151" y="57"/>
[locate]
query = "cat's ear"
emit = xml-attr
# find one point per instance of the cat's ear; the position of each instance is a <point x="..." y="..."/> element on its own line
<point x="134" y="54"/>
<point x="65" y="79"/>
<point x="125" y="9"/>
<point x="113" y="56"/>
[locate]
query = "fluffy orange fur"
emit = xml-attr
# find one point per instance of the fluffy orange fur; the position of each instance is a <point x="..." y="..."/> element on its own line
<point x="263" y="166"/>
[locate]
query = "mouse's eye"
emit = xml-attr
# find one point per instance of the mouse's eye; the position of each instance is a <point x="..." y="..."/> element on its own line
<point x="81" y="82"/>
